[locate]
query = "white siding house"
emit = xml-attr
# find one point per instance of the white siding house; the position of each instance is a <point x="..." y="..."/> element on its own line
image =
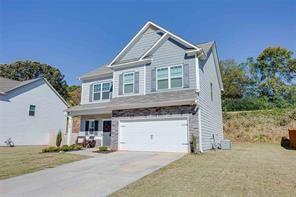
<point x="30" y="111"/>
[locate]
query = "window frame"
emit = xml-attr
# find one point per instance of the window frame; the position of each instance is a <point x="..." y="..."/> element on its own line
<point x="34" y="111"/>
<point x="170" y="77"/>
<point x="123" y="83"/>
<point x="104" y="91"/>
<point x="101" y="91"/>
<point x="182" y="76"/>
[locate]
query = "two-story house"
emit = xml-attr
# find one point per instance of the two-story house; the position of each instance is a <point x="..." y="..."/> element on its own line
<point x="158" y="94"/>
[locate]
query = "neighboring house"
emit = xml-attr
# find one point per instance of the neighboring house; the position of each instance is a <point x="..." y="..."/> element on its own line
<point x="30" y="111"/>
<point x="157" y="93"/>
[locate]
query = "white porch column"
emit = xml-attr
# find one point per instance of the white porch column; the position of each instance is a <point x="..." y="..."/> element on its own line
<point x="69" y="131"/>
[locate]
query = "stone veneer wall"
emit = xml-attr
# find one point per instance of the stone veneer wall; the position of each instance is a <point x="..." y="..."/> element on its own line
<point x="155" y="112"/>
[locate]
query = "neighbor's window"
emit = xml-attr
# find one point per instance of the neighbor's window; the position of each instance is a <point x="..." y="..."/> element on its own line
<point x="170" y="77"/>
<point x="101" y="91"/>
<point x="32" y="109"/>
<point x="211" y="91"/>
<point x="128" y="82"/>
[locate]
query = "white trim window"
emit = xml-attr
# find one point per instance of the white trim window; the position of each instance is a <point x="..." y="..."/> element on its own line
<point x="169" y="77"/>
<point x="101" y="91"/>
<point x="32" y="110"/>
<point x="128" y="83"/>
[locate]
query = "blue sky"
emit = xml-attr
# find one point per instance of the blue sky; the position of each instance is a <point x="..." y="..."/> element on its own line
<point x="78" y="36"/>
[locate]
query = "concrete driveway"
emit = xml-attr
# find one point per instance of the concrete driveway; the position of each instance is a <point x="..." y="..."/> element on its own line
<point x="98" y="176"/>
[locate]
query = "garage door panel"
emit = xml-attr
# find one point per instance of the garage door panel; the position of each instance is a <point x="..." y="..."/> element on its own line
<point x="164" y="135"/>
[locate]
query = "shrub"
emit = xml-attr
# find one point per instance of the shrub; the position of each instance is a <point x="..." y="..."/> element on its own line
<point x="65" y="148"/>
<point x="51" y="149"/>
<point x="103" y="148"/>
<point x="292" y="115"/>
<point x="59" y="138"/>
<point x="246" y="104"/>
<point x="75" y="147"/>
<point x="193" y="144"/>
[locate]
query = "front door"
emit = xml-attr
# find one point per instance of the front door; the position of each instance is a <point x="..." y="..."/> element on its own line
<point x="106" y="132"/>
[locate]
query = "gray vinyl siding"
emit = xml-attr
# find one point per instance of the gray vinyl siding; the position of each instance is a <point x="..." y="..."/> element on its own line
<point x="168" y="54"/>
<point x="117" y="73"/>
<point x="86" y="85"/>
<point x="144" y="44"/>
<point x="211" y="111"/>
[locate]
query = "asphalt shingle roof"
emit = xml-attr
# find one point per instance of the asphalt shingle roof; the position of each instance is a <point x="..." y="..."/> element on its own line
<point x="7" y="85"/>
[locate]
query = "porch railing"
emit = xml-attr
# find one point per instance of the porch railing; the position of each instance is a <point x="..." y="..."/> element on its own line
<point x="91" y="133"/>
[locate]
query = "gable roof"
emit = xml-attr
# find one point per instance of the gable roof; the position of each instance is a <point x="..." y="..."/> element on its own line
<point x="7" y="85"/>
<point x="207" y="47"/>
<point x="167" y="34"/>
<point x="201" y="50"/>
<point x="102" y="70"/>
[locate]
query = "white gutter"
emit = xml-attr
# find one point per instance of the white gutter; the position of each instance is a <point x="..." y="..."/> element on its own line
<point x="134" y="63"/>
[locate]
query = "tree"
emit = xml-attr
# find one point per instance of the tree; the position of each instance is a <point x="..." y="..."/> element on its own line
<point x="276" y="63"/>
<point x="59" y="138"/>
<point x="273" y="74"/>
<point x="74" y="94"/>
<point x="25" y="70"/>
<point x="234" y="80"/>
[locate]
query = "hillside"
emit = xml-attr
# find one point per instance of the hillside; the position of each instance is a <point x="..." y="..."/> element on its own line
<point x="259" y="126"/>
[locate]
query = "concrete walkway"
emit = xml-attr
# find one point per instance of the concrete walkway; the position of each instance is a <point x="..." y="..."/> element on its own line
<point x="98" y="176"/>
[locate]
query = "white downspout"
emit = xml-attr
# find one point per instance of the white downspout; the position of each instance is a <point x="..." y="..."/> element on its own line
<point x="197" y="103"/>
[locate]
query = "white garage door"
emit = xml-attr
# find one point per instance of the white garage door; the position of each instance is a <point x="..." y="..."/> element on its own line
<point x="154" y="135"/>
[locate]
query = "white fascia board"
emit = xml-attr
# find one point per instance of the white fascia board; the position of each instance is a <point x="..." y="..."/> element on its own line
<point x="160" y="41"/>
<point x="130" y="43"/>
<point x="218" y="72"/>
<point x="134" y="63"/>
<point x="194" y="52"/>
<point x="95" y="76"/>
<point x="175" y="36"/>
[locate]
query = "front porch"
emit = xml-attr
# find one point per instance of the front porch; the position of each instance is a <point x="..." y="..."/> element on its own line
<point x="96" y="126"/>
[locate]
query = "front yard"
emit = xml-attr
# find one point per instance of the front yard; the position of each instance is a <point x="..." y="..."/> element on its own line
<point x="24" y="159"/>
<point x="247" y="170"/>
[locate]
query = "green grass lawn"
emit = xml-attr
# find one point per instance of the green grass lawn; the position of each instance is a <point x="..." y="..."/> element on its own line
<point x="247" y="170"/>
<point x="24" y="159"/>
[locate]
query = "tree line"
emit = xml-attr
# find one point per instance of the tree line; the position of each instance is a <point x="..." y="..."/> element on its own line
<point x="268" y="81"/>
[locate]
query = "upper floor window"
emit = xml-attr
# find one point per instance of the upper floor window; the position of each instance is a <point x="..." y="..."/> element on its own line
<point x="170" y="77"/>
<point x="32" y="109"/>
<point x="101" y="91"/>
<point x="128" y="82"/>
